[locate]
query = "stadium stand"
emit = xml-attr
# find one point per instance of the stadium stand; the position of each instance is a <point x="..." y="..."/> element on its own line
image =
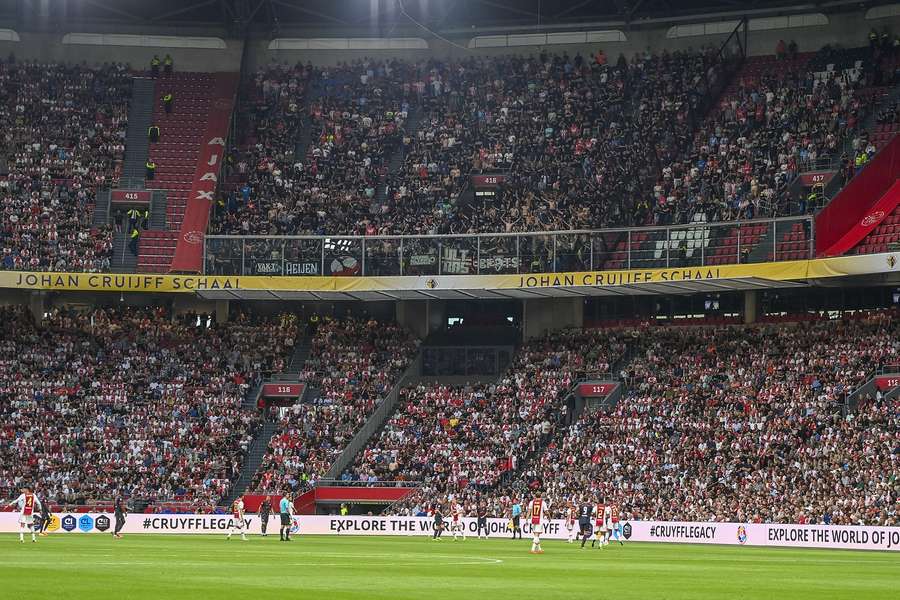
<point x="130" y="401"/>
<point x="719" y="424"/>
<point x="353" y="364"/>
<point x="464" y="440"/>
<point x="63" y="140"/>
<point x="581" y="145"/>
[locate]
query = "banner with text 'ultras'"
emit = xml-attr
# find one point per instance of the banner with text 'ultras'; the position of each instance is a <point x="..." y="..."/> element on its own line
<point x="738" y="534"/>
<point x="778" y="271"/>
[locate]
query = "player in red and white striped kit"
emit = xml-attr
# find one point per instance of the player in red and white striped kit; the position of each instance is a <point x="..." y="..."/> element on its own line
<point x="237" y="519"/>
<point x="29" y="505"/>
<point x="615" y="527"/>
<point x="601" y="511"/>
<point x="456" y="524"/>
<point x="537" y="509"/>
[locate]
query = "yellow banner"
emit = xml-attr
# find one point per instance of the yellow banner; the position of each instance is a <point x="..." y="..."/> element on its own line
<point x="779" y="271"/>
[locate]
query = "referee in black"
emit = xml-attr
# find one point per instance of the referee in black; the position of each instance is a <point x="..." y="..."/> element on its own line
<point x="265" y="507"/>
<point x="285" y="509"/>
<point x="121" y="512"/>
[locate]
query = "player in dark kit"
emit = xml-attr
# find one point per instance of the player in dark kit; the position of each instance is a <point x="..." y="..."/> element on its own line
<point x="482" y="520"/>
<point x="438" y="523"/>
<point x="121" y="511"/>
<point x="45" y="518"/>
<point x="584" y="522"/>
<point x="265" y="508"/>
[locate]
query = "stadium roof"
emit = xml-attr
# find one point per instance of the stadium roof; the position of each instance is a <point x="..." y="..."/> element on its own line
<point x="381" y="17"/>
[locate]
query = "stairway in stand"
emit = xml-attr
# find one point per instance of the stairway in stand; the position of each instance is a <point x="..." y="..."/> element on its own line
<point x="175" y="154"/>
<point x="123" y="260"/>
<point x="140" y="117"/>
<point x="252" y="461"/>
<point x="396" y="160"/>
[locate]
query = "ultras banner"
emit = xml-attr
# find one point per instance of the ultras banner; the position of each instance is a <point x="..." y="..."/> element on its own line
<point x="738" y="534"/>
<point x="778" y="271"/>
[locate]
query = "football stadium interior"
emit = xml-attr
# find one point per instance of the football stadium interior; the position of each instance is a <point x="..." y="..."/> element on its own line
<point x="620" y="275"/>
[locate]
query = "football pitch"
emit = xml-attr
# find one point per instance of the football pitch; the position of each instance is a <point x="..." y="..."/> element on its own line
<point x="97" y="567"/>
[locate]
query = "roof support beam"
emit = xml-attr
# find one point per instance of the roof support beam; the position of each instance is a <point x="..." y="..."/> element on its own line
<point x="183" y="9"/>
<point x="114" y="10"/>
<point x="292" y="5"/>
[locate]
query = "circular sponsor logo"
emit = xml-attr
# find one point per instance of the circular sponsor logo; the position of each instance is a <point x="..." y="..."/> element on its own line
<point x="872" y="218"/>
<point x="431" y="284"/>
<point x="54" y="523"/>
<point x="742" y="534"/>
<point x="193" y="237"/>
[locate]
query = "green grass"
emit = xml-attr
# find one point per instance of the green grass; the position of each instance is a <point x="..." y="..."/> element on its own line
<point x="173" y="567"/>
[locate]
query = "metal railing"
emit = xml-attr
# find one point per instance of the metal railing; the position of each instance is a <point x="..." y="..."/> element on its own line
<point x="698" y="244"/>
<point x="367" y="484"/>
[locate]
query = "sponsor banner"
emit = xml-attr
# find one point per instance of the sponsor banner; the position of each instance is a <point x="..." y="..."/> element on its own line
<point x="130" y="196"/>
<point x="779" y="271"/>
<point x="188" y="256"/>
<point x="857" y="199"/>
<point x="887" y="382"/>
<point x="595" y="390"/>
<point x="282" y="390"/>
<point x="872" y="218"/>
<point x="816" y="178"/>
<point x="766" y="534"/>
<point x="739" y="534"/>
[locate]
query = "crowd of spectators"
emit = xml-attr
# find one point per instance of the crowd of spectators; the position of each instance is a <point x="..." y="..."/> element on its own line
<point x="353" y="364"/>
<point x="63" y="138"/>
<point x="576" y="136"/>
<point x="779" y="120"/>
<point x="130" y="401"/>
<point x="467" y="440"/>
<point x="582" y="142"/>
<point x="353" y="115"/>
<point x="741" y="424"/>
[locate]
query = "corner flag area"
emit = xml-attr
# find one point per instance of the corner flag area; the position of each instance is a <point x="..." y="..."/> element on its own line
<point x="175" y="567"/>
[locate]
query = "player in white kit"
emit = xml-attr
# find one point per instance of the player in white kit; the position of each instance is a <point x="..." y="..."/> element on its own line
<point x="456" y="524"/>
<point x="608" y="525"/>
<point x="537" y="509"/>
<point x="237" y="519"/>
<point x="570" y="522"/>
<point x="29" y="505"/>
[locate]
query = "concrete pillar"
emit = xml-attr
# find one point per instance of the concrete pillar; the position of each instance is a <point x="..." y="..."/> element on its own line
<point x="436" y="315"/>
<point x="543" y="315"/>
<point x="222" y="311"/>
<point x="413" y="316"/>
<point x="751" y="302"/>
<point x="36" y="304"/>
